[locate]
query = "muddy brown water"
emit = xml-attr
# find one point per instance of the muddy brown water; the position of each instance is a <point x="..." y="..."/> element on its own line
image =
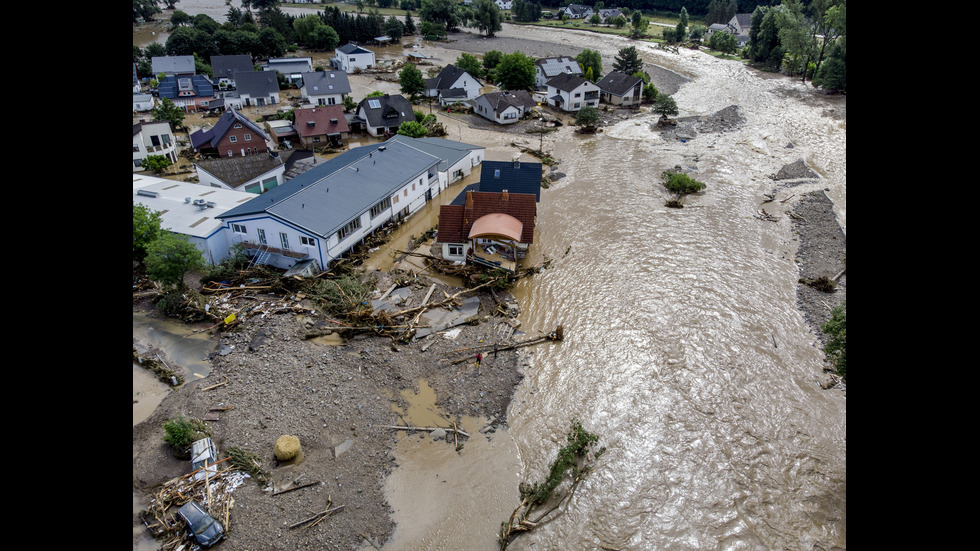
<point x="684" y="348"/>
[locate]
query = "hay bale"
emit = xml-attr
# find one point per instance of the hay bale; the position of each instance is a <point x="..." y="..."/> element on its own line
<point x="287" y="447"/>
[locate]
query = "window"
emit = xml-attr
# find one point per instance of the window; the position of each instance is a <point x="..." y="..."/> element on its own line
<point x="349" y="228"/>
<point x="394" y="200"/>
<point x="262" y="237"/>
<point x="238" y="228"/>
<point x="284" y="240"/>
<point x="413" y="186"/>
<point x="232" y="139"/>
<point x="405" y="192"/>
<point x="455" y="250"/>
<point x="374" y="104"/>
<point x="230" y="153"/>
<point x="238" y="125"/>
<point x="578" y="94"/>
<point x="380" y="207"/>
<point x="307" y="241"/>
<point x="248" y="137"/>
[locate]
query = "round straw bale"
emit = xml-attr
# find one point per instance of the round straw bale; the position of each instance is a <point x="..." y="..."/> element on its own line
<point x="287" y="447"/>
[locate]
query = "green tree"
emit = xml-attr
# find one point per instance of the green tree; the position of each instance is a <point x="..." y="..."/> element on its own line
<point x="156" y="163"/>
<point x="836" y="347"/>
<point x="595" y="20"/>
<point x="394" y="28"/>
<point x="619" y="21"/>
<point x="155" y="50"/>
<point x="679" y="185"/>
<point x="146" y="228"/>
<point x="487" y="17"/>
<point x="665" y="105"/>
<point x="409" y="25"/>
<point x="441" y="11"/>
<point x="765" y="48"/>
<point x="179" y="18"/>
<point x="832" y="74"/>
<point x="412" y="129"/>
<point x="798" y="35"/>
<point x="588" y="118"/>
<point x="723" y="42"/>
<point x="411" y="81"/>
<point x="170" y="257"/>
<point x="167" y="110"/>
<point x="305" y="25"/>
<point x="516" y="72"/>
<point x="590" y="59"/>
<point x="640" y="25"/>
<point x="682" y="26"/>
<point x="324" y="37"/>
<point x="145" y="9"/>
<point x="470" y="64"/>
<point x="628" y="61"/>
<point x="271" y="43"/>
<point x="349" y="104"/>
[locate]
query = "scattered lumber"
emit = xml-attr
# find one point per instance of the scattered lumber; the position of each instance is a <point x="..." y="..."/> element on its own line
<point x="430" y="429"/>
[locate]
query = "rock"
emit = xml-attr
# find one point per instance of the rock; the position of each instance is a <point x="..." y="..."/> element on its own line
<point x="438" y="434"/>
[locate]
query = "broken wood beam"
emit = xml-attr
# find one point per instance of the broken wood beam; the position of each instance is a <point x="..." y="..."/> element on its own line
<point x="286" y="491"/>
<point x="430" y="429"/>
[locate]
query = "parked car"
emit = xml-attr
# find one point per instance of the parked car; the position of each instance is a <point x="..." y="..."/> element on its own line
<point x="203" y="452"/>
<point x="205" y="529"/>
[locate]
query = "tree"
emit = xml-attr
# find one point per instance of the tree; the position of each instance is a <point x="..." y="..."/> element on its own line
<point x="590" y="59"/>
<point x="833" y="73"/>
<point x="411" y="80"/>
<point x="323" y="38"/>
<point x="516" y="72"/>
<point x="798" y="35"/>
<point x="394" y="28"/>
<point x="628" y="61"/>
<point x="271" y="43"/>
<point x="665" y="105"/>
<point x="487" y="17"/>
<point x="836" y="347"/>
<point x="765" y="48"/>
<point x="723" y="42"/>
<point x="146" y="227"/>
<point x="682" y="26"/>
<point x="595" y="19"/>
<point x="470" y="64"/>
<point x="588" y="118"/>
<point x="412" y="129"/>
<point x="156" y="163"/>
<point x="525" y="11"/>
<point x="167" y="110"/>
<point x="179" y="18"/>
<point x="639" y="26"/>
<point x="679" y="185"/>
<point x="145" y="9"/>
<point x="170" y="257"/>
<point x="441" y="11"/>
<point x="409" y="25"/>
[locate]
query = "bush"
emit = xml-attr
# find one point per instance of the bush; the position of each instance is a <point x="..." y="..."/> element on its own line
<point x="681" y="184"/>
<point x="836" y="347"/>
<point x="181" y="433"/>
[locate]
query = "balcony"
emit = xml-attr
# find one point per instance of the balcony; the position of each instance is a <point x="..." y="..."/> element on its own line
<point x="274" y="250"/>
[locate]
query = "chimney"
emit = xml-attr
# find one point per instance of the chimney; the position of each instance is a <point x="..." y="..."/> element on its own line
<point x="517" y="162"/>
<point x="469" y="199"/>
<point x="503" y="195"/>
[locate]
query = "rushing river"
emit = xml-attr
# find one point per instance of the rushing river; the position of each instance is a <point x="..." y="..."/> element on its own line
<point x="684" y="349"/>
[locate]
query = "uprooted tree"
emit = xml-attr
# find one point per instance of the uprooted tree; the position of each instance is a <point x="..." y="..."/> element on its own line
<point x="573" y="463"/>
<point x="680" y="184"/>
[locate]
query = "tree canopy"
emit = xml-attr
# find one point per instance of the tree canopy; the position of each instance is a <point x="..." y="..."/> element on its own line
<point x="590" y="59"/>
<point x="628" y="61"/>
<point x="167" y="110"/>
<point x="487" y="17"/>
<point x="516" y="72"/>
<point x="411" y="81"/>
<point x="170" y="257"/>
<point x="836" y="347"/>
<point x="146" y="227"/>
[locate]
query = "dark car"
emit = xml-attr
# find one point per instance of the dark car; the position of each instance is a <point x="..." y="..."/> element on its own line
<point x="201" y="525"/>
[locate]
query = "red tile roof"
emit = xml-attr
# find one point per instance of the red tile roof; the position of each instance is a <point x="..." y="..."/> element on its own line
<point x="455" y="221"/>
<point x="321" y="117"/>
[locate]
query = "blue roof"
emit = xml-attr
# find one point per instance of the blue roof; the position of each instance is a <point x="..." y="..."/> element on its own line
<point x="514" y="177"/>
<point x="328" y="196"/>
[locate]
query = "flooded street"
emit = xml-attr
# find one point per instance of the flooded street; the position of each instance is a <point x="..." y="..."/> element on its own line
<point x="684" y="348"/>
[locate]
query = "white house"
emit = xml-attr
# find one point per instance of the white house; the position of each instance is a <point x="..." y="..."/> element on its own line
<point x="548" y="68"/>
<point x="384" y="114"/>
<point x="190" y="210"/>
<point x="571" y="93"/>
<point x="325" y="87"/>
<point x="505" y="107"/>
<point x="153" y="138"/>
<point x="577" y="11"/>
<point x="504" y="4"/>
<point x="324" y="212"/>
<point x="254" y="174"/>
<point x="143" y="102"/>
<point x="458" y="158"/>
<point x="452" y="84"/>
<point x="351" y="57"/>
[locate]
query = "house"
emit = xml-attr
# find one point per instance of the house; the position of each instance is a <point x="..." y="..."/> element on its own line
<point x="224" y="68"/>
<point x="326" y="211"/>
<point x="323" y="125"/>
<point x="255" y="174"/>
<point x="621" y="89"/>
<point x="458" y="158"/>
<point x="489" y="228"/>
<point x="190" y="210"/>
<point x="504" y="4"/>
<point x="143" y="102"/>
<point x="233" y="135"/>
<point x="173" y="65"/>
<point x="571" y="93"/>
<point x="153" y="138"/>
<point x="189" y="92"/>
<point x="513" y="176"/>
<point x="741" y="23"/>
<point x="451" y="85"/>
<point x="253" y="88"/>
<point x="290" y="67"/>
<point x="351" y="58"/>
<point x="608" y="15"/>
<point x="577" y="11"/>
<point x="504" y="107"/>
<point x="325" y="87"/>
<point x="384" y="114"/>
<point x="548" y="68"/>
<point x="137" y="87"/>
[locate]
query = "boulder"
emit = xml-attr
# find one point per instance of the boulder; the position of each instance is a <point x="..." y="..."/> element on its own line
<point x="287" y="447"/>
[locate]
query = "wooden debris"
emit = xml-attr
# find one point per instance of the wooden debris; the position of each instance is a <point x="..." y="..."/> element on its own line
<point x="430" y="429"/>
<point x="313" y="520"/>
<point x="286" y="491"/>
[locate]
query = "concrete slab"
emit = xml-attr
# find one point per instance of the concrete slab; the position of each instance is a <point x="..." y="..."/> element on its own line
<point x="439" y="319"/>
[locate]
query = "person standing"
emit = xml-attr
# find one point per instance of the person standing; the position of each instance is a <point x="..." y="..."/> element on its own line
<point x="479" y="358"/>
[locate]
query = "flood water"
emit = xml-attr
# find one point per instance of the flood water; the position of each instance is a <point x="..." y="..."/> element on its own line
<point x="684" y="349"/>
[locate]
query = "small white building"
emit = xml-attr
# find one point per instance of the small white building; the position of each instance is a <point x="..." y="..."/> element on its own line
<point x="190" y="210"/>
<point x="571" y="93"/>
<point x="325" y="87"/>
<point x="153" y="138"/>
<point x="351" y="58"/>
<point x="452" y="84"/>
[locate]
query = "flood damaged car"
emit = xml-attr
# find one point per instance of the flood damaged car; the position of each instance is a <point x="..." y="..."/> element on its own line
<point x="206" y="530"/>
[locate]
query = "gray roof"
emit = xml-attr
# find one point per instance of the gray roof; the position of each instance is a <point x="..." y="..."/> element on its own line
<point x="566" y="82"/>
<point x="499" y="101"/>
<point x="352" y="49"/>
<point x="214" y="134"/>
<point x="520" y="177"/>
<point x="319" y="83"/>
<point x="553" y="66"/>
<point x="330" y="195"/>
<point x="446" y="78"/>
<point x="618" y="84"/>
<point x="173" y="64"/>
<point x="235" y="171"/>
<point x="392" y="110"/>
<point x="256" y="83"/>
<point x="290" y="64"/>
<point x="744" y="20"/>
<point x="447" y="150"/>
<point x="225" y="66"/>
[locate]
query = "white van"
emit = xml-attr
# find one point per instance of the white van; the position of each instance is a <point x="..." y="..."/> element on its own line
<point x="203" y="453"/>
